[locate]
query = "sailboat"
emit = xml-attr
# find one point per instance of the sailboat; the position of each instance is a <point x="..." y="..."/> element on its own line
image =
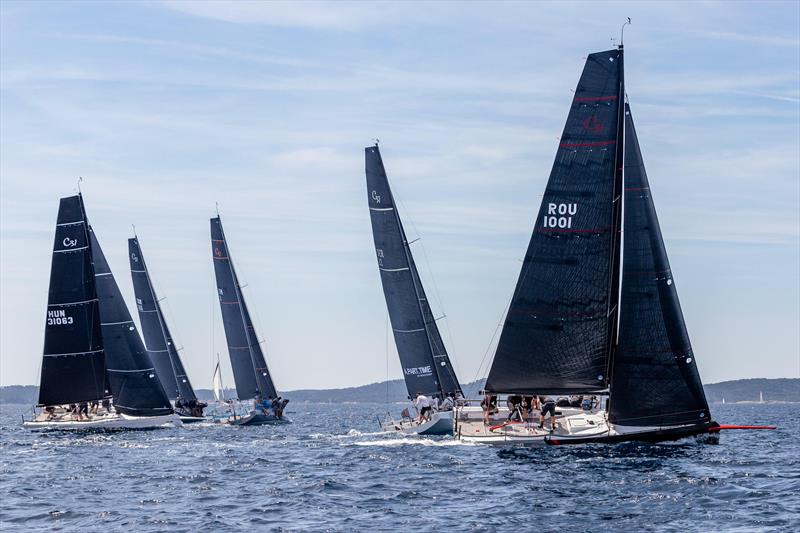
<point x="159" y="342"/>
<point x="250" y="372"/>
<point x="90" y="349"/>
<point x="594" y="314"/>
<point x="426" y="366"/>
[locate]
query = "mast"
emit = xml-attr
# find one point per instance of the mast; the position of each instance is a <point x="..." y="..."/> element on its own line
<point x="426" y="365"/>
<point x="158" y="339"/>
<point x="559" y="331"/>
<point x="655" y="381"/>
<point x="73" y="362"/>
<point x="135" y="386"/>
<point x="250" y="371"/>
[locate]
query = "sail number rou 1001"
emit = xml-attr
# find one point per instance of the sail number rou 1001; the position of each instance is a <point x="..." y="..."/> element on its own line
<point x="559" y="215"/>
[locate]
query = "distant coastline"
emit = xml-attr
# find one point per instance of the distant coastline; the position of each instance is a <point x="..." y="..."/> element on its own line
<point x="780" y="390"/>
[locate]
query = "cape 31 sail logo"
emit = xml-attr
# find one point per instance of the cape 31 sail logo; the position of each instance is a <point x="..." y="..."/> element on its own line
<point x="559" y="215"/>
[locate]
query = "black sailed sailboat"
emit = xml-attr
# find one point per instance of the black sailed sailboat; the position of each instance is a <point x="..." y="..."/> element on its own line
<point x="73" y="365"/>
<point x="250" y="372"/>
<point x="136" y="388"/>
<point x="426" y="366"/>
<point x="90" y="351"/>
<point x="158" y="340"/>
<point x="588" y="317"/>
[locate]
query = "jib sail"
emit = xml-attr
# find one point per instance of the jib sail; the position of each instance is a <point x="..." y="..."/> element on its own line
<point x="655" y="381"/>
<point x="135" y="386"/>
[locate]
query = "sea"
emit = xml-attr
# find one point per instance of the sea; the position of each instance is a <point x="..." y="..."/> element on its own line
<point x="330" y="470"/>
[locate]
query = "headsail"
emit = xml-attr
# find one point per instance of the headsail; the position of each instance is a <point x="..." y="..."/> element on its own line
<point x="250" y="371"/>
<point x="655" y="381"/>
<point x="73" y="366"/>
<point x="160" y="344"/>
<point x="559" y="331"/>
<point x="426" y="366"/>
<point x="135" y="386"/>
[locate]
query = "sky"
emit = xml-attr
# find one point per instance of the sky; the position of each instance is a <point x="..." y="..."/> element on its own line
<point x="167" y="109"/>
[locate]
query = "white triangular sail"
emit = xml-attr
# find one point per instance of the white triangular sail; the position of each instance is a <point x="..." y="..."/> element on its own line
<point x="216" y="383"/>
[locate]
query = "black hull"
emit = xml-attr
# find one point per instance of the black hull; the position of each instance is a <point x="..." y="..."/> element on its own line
<point x="661" y="435"/>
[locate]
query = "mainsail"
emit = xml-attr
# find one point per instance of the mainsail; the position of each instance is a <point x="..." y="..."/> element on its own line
<point x="250" y="371"/>
<point x="655" y="381"/>
<point x="426" y="366"/>
<point x="73" y="366"/>
<point x="135" y="386"/>
<point x="160" y="345"/>
<point x="559" y="332"/>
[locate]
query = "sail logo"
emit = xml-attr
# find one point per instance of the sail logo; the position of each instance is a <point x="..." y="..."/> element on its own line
<point x="69" y="243"/>
<point x="379" y="253"/>
<point x="559" y="215"/>
<point x="139" y="304"/>
<point x="135" y="259"/>
<point x="217" y="252"/>
<point x="593" y="125"/>
<point x="58" y="318"/>
<point x="375" y="196"/>
<point x="418" y="371"/>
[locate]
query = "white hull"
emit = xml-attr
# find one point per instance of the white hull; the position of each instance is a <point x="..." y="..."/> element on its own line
<point x="106" y="422"/>
<point x="441" y="423"/>
<point x="569" y="421"/>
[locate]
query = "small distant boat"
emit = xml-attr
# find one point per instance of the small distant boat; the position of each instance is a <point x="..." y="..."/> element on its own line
<point x="160" y="344"/>
<point x="250" y="372"/>
<point x="592" y="313"/>
<point x="426" y="365"/>
<point x="92" y="352"/>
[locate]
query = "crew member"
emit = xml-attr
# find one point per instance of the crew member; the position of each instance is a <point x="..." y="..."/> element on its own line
<point x="423" y="404"/>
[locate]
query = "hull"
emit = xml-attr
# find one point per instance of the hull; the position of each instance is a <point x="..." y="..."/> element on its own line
<point x="193" y="419"/>
<point x="441" y="423"/>
<point x="106" y="422"/>
<point x="617" y="434"/>
<point x="470" y="426"/>
<point x="255" y="418"/>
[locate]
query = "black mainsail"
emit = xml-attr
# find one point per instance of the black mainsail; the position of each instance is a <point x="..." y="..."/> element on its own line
<point x="426" y="365"/>
<point x="560" y="329"/>
<point x="250" y="371"/>
<point x="73" y="366"/>
<point x="136" y="388"/>
<point x="158" y="340"/>
<point x="655" y="381"/>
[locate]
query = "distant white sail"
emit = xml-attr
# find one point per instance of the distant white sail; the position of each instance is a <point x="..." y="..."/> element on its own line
<point x="216" y="383"/>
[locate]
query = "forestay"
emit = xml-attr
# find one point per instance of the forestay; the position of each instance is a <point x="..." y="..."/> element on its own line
<point x="655" y="381"/>
<point x="426" y="365"/>
<point x="160" y="344"/>
<point x="250" y="371"/>
<point x="73" y="366"/>
<point x="135" y="386"/>
<point x="558" y="334"/>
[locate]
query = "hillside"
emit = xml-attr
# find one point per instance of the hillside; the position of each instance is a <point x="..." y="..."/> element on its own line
<point x="784" y="389"/>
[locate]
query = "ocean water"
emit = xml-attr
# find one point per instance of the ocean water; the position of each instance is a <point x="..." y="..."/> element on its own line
<point x="330" y="471"/>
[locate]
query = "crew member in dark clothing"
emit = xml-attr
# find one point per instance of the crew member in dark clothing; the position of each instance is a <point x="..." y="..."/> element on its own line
<point x="548" y="406"/>
<point x="514" y="404"/>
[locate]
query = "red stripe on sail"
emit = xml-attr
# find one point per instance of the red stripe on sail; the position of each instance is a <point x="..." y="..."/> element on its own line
<point x="594" y="143"/>
<point x="594" y="98"/>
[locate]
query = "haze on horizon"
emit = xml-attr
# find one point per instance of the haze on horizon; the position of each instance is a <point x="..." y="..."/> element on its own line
<point x="166" y="108"/>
